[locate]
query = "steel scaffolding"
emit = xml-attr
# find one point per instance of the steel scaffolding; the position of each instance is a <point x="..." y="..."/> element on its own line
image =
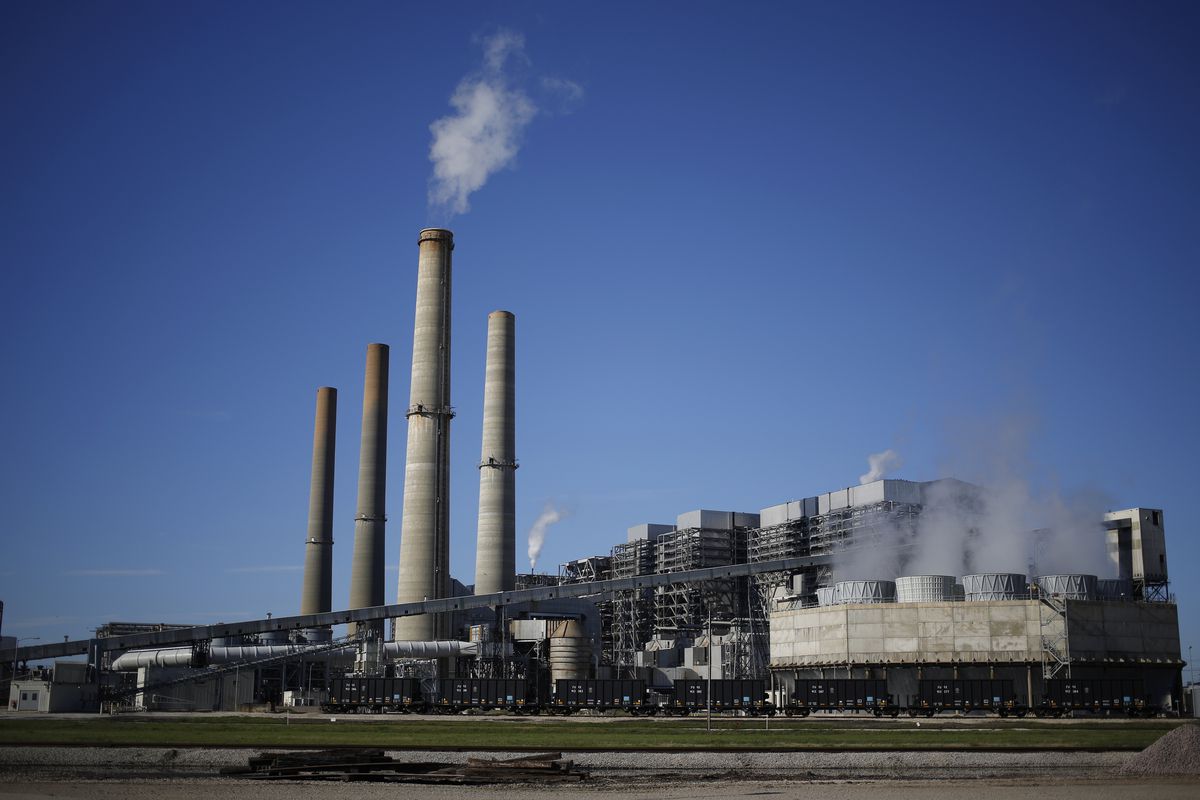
<point x="630" y="623"/>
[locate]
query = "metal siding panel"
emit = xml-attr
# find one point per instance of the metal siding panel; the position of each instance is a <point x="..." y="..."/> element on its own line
<point x="745" y="519"/>
<point x="867" y="494"/>
<point x="774" y="515"/>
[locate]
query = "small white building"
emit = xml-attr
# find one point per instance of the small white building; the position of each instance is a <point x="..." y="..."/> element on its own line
<point x="65" y="688"/>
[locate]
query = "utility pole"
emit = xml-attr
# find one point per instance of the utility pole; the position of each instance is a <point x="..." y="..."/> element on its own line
<point x="708" y="688"/>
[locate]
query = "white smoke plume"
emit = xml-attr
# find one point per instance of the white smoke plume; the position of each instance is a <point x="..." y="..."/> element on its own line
<point x="537" y="533"/>
<point x="1006" y="520"/>
<point x="484" y="134"/>
<point x="881" y="464"/>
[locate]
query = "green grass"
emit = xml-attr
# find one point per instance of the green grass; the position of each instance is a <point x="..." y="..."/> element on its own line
<point x="729" y="734"/>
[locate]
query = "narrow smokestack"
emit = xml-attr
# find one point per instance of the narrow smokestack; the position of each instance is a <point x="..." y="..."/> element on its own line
<point x="317" y="597"/>
<point x="496" y="546"/>
<point x="366" y="576"/>
<point x="425" y="525"/>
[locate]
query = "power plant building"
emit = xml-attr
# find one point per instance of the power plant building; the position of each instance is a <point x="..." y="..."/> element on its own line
<point x="860" y="603"/>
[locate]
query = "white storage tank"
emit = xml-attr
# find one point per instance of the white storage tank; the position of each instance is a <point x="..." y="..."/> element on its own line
<point x="995" y="586"/>
<point x="825" y="596"/>
<point x="925" y="588"/>
<point x="865" y="591"/>
<point x="1069" y="587"/>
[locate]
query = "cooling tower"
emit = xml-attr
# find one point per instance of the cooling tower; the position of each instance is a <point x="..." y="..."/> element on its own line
<point x="1069" y="587"/>
<point x="496" y="545"/>
<point x="425" y="525"/>
<point x="865" y="592"/>
<point x="317" y="596"/>
<point x="986" y="586"/>
<point x="366" y="576"/>
<point x="925" y="588"/>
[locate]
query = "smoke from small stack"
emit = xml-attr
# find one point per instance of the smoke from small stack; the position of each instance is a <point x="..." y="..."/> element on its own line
<point x="366" y="578"/>
<point x="880" y="465"/>
<point x="495" y="555"/>
<point x="537" y="533"/>
<point x="425" y="525"/>
<point x="317" y="594"/>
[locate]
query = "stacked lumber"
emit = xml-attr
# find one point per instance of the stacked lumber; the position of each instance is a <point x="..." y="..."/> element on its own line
<point x="374" y="765"/>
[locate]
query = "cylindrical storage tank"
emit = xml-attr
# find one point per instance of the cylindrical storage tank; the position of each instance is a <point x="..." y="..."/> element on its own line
<point x="570" y="651"/>
<point x="925" y="588"/>
<point x="825" y="596"/>
<point x="1069" y="587"/>
<point x="1114" y="588"/>
<point x="273" y="637"/>
<point x="994" y="586"/>
<point x="318" y="635"/>
<point x="865" y="591"/>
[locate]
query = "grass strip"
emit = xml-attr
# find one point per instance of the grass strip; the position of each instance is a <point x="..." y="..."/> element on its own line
<point x="402" y="733"/>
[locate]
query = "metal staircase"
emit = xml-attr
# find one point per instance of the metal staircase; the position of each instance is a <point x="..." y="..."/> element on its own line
<point x="1056" y="647"/>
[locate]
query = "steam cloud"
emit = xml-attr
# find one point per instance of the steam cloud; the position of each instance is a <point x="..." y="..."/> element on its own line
<point x="1009" y="522"/>
<point x="484" y="133"/>
<point x="881" y="464"/>
<point x="537" y="534"/>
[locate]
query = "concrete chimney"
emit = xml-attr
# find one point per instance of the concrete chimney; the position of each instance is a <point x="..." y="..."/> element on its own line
<point x="425" y="526"/>
<point x="496" y="545"/>
<point x="366" y="576"/>
<point x="317" y="596"/>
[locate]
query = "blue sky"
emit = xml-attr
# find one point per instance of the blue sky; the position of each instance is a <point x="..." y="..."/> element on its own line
<point x="746" y="244"/>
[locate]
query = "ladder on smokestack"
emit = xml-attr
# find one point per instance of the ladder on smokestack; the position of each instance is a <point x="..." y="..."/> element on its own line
<point x="1056" y="648"/>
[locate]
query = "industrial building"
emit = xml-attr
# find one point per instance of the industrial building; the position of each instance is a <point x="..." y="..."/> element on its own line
<point x="828" y="585"/>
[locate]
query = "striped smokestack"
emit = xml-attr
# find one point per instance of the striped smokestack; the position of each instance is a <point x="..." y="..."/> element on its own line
<point x="366" y="577"/>
<point x="317" y="596"/>
<point x="425" y="525"/>
<point x="496" y="545"/>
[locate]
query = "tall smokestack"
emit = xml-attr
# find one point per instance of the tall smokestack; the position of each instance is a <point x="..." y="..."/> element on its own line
<point x="496" y="553"/>
<point x="317" y="597"/>
<point x="366" y="576"/>
<point x="425" y="525"/>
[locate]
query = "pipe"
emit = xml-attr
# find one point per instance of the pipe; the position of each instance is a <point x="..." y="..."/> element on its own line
<point x="182" y="656"/>
<point x="317" y="595"/>
<point x="425" y="526"/>
<point x="496" y="542"/>
<point x="366" y="580"/>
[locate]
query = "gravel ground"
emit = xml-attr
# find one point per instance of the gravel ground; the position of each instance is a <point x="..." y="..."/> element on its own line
<point x="1177" y="753"/>
<point x="198" y="789"/>
<point x="37" y="773"/>
<point x="158" y="762"/>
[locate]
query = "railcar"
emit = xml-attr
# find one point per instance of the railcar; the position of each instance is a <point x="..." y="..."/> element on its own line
<point x="1094" y="695"/>
<point x="598" y="694"/>
<point x="860" y="695"/>
<point x="966" y="695"/>
<point x="748" y="695"/>
<point x="374" y="695"/>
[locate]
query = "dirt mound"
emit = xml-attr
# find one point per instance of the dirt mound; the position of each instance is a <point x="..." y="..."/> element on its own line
<point x="1177" y="753"/>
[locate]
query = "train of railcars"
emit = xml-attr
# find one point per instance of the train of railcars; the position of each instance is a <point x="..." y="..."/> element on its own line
<point x="748" y="696"/>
